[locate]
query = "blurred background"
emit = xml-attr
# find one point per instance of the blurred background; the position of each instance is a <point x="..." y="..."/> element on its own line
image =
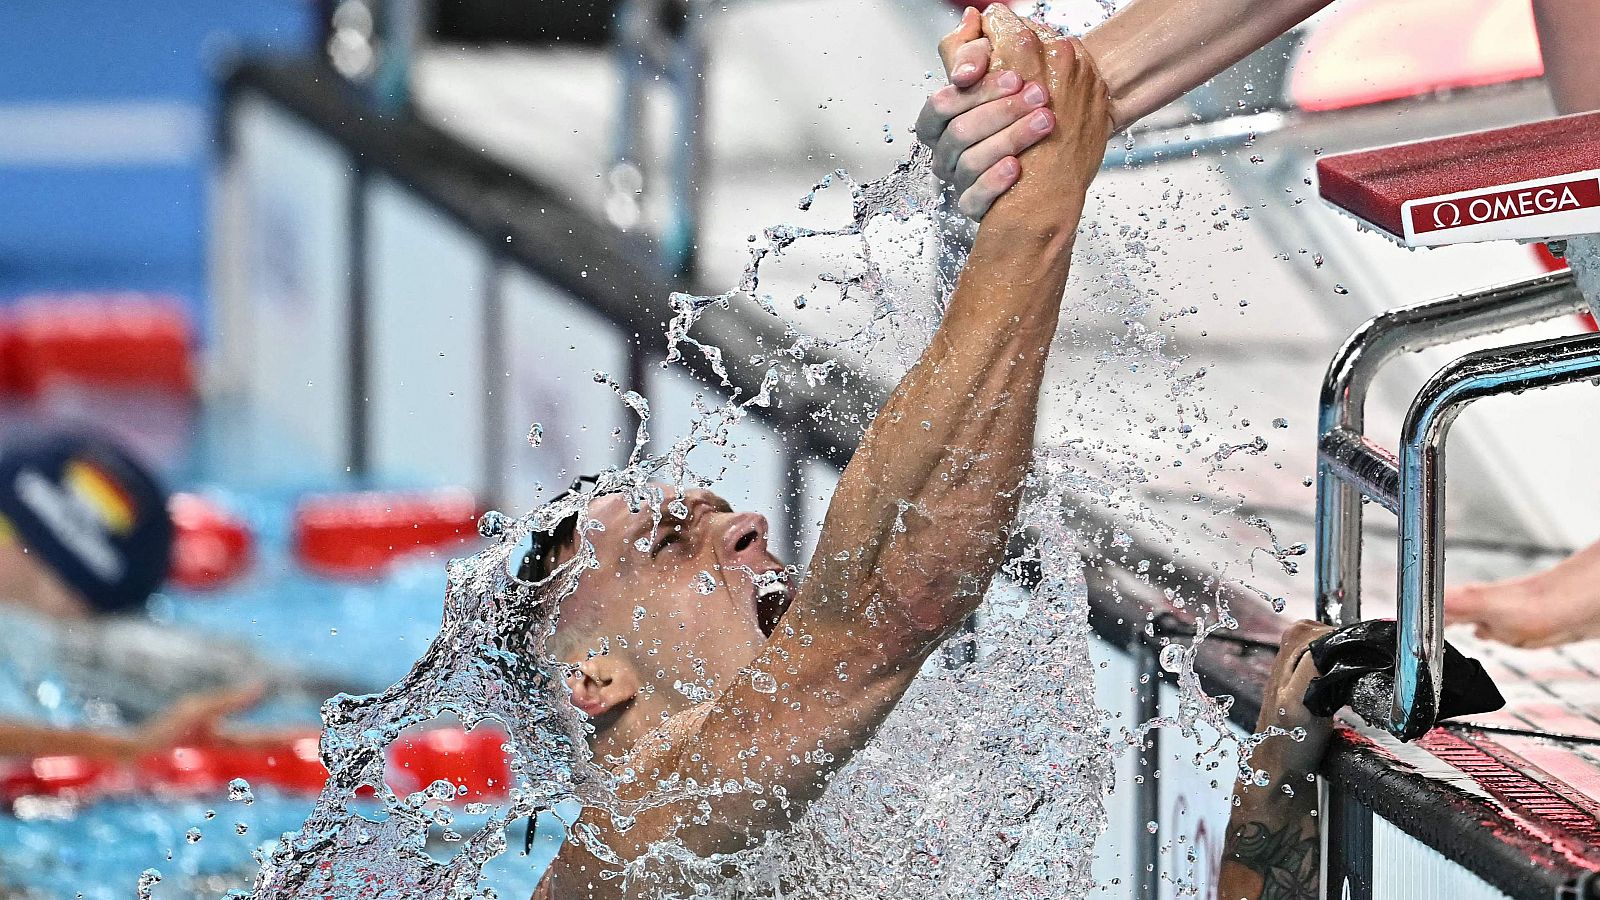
<point x="319" y="267"/>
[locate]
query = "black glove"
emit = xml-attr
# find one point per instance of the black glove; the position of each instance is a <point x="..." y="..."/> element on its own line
<point x="1357" y="666"/>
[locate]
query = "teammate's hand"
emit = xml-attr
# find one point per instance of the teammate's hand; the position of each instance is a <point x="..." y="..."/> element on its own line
<point x="1058" y="169"/>
<point x="978" y="123"/>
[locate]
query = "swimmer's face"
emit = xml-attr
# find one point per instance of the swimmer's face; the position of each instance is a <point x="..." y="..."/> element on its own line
<point x="695" y="604"/>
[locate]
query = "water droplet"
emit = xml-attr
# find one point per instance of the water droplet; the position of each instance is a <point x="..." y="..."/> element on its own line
<point x="192" y="836"/>
<point x="148" y="879"/>
<point x="493" y="523"/>
<point x="1316" y="260"/>
<point x="239" y="789"/>
<point x="1340" y="289"/>
<point x="241" y="828"/>
<point x="763" y="681"/>
<point x="535" y="434"/>
<point x="1280" y="422"/>
<point x="705" y="584"/>
<point x="1172" y="656"/>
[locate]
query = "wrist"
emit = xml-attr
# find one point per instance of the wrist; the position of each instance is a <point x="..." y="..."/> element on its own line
<point x="1022" y="238"/>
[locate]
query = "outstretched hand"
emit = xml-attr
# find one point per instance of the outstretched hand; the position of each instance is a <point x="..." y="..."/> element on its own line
<point x="978" y="123"/>
<point x="1056" y="171"/>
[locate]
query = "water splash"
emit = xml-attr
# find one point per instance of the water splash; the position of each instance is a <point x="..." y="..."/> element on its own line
<point x="1003" y="800"/>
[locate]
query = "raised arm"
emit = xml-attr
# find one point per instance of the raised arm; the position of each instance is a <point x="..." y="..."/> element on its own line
<point x="1154" y="51"/>
<point x="918" y="524"/>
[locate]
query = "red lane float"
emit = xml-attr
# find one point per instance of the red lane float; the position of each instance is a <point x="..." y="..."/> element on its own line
<point x="211" y="546"/>
<point x="358" y="535"/>
<point x="1551" y="264"/>
<point x="292" y="768"/>
<point x="106" y="341"/>
<point x="471" y="760"/>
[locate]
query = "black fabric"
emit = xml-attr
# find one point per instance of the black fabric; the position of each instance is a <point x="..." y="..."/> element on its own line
<point x="1359" y="659"/>
<point x="91" y="512"/>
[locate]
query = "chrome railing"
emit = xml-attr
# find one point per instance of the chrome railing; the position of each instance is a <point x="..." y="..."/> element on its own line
<point x="1352" y="468"/>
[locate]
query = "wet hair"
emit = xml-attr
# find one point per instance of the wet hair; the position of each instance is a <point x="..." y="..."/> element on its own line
<point x="540" y="561"/>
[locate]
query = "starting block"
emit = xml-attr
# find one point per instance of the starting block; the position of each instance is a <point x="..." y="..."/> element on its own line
<point x="1534" y="182"/>
<point x="1539" y="181"/>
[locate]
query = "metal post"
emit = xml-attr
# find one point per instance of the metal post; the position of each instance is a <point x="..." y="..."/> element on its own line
<point x="1343" y="406"/>
<point x="1419" y="651"/>
<point x="661" y="40"/>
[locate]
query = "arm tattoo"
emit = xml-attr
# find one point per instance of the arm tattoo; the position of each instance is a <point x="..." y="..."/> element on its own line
<point x="1286" y="859"/>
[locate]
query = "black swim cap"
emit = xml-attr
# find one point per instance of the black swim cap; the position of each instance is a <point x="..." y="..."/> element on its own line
<point x="91" y="512"/>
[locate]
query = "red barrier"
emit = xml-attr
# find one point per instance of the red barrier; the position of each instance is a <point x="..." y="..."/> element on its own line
<point x="8" y="356"/>
<point x="71" y="777"/>
<point x="211" y="546"/>
<point x="471" y="760"/>
<point x="292" y="768"/>
<point x="1551" y="264"/>
<point x="358" y="535"/>
<point x="114" y="341"/>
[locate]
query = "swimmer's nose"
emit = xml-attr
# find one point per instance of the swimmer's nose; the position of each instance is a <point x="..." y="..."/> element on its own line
<point x="746" y="533"/>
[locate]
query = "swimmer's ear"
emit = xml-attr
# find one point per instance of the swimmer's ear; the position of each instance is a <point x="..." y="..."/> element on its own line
<point x="602" y="684"/>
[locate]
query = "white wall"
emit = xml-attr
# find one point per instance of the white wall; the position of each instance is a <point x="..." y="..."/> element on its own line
<point x="426" y="335"/>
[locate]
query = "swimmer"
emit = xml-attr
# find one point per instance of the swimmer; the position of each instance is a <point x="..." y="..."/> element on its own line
<point x="84" y="533"/>
<point x="915" y="533"/>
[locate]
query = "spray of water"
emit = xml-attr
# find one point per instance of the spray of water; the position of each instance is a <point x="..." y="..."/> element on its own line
<point x="986" y="781"/>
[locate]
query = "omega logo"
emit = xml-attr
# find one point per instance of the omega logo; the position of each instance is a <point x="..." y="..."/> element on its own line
<point x="1502" y="205"/>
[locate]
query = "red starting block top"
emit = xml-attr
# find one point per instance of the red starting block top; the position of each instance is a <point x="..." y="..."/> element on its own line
<point x="1540" y="180"/>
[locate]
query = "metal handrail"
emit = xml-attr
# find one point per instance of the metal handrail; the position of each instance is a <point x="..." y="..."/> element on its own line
<point x="1411" y="484"/>
<point x="1419" y="650"/>
<point x="1343" y="400"/>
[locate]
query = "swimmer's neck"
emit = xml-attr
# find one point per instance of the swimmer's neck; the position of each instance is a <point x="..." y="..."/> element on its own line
<point x="619" y="732"/>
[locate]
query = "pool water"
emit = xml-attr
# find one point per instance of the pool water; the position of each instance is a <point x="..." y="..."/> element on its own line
<point x="308" y="635"/>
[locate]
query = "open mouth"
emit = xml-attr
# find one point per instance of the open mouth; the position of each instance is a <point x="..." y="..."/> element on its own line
<point x="773" y="596"/>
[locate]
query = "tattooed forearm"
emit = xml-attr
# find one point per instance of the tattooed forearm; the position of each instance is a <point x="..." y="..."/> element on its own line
<point x="1285" y="858"/>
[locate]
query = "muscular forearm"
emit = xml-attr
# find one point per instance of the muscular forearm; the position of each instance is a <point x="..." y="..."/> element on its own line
<point x="934" y="485"/>
<point x="1153" y="51"/>
<point x="919" y="520"/>
<point x="1272" y="850"/>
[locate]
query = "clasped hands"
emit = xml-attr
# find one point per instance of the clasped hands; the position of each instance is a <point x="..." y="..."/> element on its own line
<point x="1020" y="96"/>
